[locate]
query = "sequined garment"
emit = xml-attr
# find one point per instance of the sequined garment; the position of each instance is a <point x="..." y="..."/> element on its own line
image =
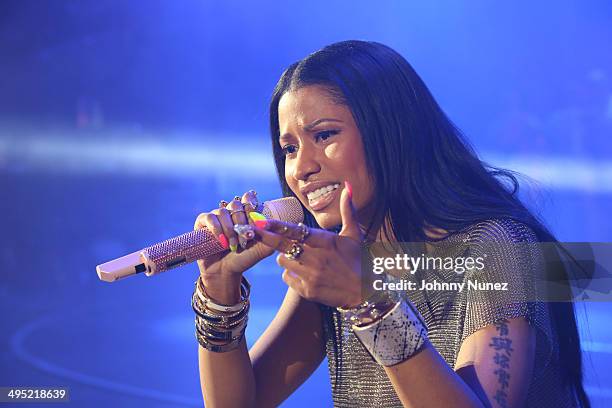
<point x="358" y="381"/>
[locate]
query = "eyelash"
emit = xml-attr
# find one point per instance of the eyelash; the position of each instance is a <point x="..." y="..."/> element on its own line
<point x="318" y="136"/>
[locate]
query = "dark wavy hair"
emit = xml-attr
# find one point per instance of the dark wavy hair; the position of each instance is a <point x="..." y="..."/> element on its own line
<point x="425" y="172"/>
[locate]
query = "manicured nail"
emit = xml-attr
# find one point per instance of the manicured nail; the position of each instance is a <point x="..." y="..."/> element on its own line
<point x="233" y="244"/>
<point x="349" y="189"/>
<point x="261" y="223"/>
<point x="255" y="216"/>
<point x="223" y="240"/>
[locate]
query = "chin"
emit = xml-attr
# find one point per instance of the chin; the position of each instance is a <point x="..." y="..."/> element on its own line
<point x="327" y="221"/>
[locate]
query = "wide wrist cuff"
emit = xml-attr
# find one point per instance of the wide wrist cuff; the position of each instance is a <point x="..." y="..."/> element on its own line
<point x="394" y="337"/>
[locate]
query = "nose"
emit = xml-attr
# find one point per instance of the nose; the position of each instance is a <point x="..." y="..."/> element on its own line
<point x="306" y="163"/>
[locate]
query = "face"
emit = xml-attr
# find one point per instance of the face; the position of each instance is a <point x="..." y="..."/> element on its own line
<point x="323" y="148"/>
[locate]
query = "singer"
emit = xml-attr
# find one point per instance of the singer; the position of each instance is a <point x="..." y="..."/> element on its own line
<point x="363" y="145"/>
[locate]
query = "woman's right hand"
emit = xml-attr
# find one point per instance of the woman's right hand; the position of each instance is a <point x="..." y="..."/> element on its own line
<point x="221" y="273"/>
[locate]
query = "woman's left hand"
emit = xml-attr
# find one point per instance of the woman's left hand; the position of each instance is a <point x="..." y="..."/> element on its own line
<point x="328" y="270"/>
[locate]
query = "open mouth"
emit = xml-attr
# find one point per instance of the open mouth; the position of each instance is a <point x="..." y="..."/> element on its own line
<point x="322" y="197"/>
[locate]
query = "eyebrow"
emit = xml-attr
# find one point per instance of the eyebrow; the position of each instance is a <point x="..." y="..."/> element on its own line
<point x="311" y="125"/>
<point x="318" y="121"/>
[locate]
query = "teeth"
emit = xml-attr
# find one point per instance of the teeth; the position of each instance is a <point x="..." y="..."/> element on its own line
<point x="313" y="195"/>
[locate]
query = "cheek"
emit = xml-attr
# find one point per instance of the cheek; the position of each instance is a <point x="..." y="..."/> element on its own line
<point x="341" y="155"/>
<point x="346" y="159"/>
<point x="351" y="162"/>
<point x="290" y="180"/>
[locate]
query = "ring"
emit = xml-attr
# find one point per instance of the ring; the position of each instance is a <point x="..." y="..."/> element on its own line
<point x="245" y="231"/>
<point x="304" y="232"/>
<point x="236" y="211"/>
<point x="223" y="204"/>
<point x="248" y="207"/>
<point x="254" y="202"/>
<point x="294" y="252"/>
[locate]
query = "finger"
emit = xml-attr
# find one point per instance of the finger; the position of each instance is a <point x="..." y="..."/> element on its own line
<point x="316" y="237"/>
<point x="250" y="202"/>
<point x="350" y="225"/>
<point x="293" y="281"/>
<point x="275" y="241"/>
<point x="223" y="215"/>
<point x="236" y="210"/>
<point x="302" y="266"/>
<point x="211" y="222"/>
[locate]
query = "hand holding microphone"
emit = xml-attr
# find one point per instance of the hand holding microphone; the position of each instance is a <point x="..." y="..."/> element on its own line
<point x="207" y="243"/>
<point x="221" y="273"/>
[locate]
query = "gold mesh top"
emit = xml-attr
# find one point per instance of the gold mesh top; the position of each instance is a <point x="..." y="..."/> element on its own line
<point x="358" y="381"/>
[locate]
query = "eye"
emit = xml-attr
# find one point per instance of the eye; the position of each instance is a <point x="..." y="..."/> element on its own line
<point x="289" y="149"/>
<point x="325" y="134"/>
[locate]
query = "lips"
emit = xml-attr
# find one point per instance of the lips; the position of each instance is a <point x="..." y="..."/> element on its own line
<point x="323" y="196"/>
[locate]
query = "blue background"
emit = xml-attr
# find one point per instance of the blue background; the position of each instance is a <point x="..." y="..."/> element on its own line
<point x="121" y="121"/>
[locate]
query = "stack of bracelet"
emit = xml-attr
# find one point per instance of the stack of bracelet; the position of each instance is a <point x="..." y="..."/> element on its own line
<point x="220" y="328"/>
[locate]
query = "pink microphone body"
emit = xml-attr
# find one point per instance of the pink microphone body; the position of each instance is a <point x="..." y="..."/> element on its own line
<point x="188" y="247"/>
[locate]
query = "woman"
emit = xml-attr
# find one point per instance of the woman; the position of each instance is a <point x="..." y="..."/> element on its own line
<point x="360" y="141"/>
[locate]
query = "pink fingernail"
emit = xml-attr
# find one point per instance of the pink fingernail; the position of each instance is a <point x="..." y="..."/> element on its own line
<point x="223" y="240"/>
<point x="261" y="223"/>
<point x="349" y="189"/>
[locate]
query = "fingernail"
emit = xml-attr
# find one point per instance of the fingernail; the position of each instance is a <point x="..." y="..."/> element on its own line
<point x="233" y="244"/>
<point x="261" y="223"/>
<point x="223" y="240"/>
<point x="349" y="189"/>
<point x="255" y="216"/>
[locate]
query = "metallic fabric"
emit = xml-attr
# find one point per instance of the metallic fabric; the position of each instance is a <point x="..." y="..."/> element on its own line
<point x="358" y="381"/>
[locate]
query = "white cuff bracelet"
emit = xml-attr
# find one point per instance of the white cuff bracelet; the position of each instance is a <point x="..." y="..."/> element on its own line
<point x="396" y="336"/>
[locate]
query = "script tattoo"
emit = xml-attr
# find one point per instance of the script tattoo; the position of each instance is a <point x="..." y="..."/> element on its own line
<point x="503" y="350"/>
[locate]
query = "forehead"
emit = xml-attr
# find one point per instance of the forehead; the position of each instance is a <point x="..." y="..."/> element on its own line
<point x="305" y="105"/>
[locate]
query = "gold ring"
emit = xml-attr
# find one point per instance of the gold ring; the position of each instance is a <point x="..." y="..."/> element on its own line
<point x="294" y="251"/>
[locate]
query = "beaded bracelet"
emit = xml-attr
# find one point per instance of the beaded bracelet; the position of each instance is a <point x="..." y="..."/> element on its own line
<point x="371" y="309"/>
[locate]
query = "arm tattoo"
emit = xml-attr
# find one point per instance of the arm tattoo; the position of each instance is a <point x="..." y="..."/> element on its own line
<point x="503" y="350"/>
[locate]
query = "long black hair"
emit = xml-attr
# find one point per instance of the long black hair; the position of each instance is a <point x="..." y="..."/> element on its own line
<point x="425" y="172"/>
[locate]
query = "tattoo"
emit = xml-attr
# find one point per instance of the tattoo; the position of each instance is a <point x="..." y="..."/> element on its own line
<point x="503" y="350"/>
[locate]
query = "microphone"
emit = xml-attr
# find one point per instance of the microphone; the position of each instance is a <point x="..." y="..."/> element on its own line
<point x="186" y="248"/>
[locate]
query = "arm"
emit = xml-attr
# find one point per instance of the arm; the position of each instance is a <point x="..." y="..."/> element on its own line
<point x="286" y="354"/>
<point x="493" y="369"/>
<point x="289" y="350"/>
